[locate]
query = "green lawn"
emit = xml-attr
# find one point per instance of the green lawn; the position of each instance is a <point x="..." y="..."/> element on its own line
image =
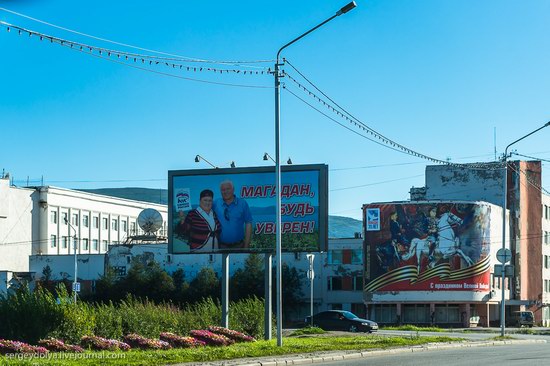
<point x="241" y="350"/>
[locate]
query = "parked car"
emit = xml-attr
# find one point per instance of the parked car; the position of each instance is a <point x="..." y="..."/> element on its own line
<point x="522" y="318"/>
<point x="341" y="320"/>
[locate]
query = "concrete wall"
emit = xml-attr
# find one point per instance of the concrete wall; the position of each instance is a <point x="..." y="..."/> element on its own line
<point x="17" y="222"/>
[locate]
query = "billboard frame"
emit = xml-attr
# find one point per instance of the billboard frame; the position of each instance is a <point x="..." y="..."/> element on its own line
<point x="322" y="197"/>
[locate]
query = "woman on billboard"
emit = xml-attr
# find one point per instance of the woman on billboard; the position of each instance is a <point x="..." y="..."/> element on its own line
<point x="201" y="226"/>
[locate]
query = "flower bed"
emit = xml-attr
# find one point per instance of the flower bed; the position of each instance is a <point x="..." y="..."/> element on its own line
<point x="7" y="347"/>
<point x="211" y="339"/>
<point x="104" y="344"/>
<point x="137" y="341"/>
<point x="231" y="334"/>
<point x="57" y="345"/>
<point x="177" y="341"/>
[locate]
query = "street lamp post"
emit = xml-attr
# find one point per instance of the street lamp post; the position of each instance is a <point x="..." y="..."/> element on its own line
<point x="278" y="250"/>
<point x="311" y="275"/>
<point x="504" y="202"/>
<point x="75" y="281"/>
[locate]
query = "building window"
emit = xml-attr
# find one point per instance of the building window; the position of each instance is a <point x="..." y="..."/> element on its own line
<point x="53" y="217"/>
<point x="120" y="271"/>
<point x="105" y="223"/>
<point x="86" y="221"/>
<point x="133" y="228"/>
<point x="358" y="283"/>
<point x="85" y="244"/>
<point x="105" y="245"/>
<point x="114" y="224"/>
<point x="64" y="217"/>
<point x="334" y="283"/>
<point x="75" y="219"/>
<point x="53" y="241"/>
<point x="357" y="256"/>
<point x="64" y="242"/>
<point x="335" y="257"/>
<point x="75" y="243"/>
<point x="95" y="220"/>
<point x="124" y="226"/>
<point x="95" y="244"/>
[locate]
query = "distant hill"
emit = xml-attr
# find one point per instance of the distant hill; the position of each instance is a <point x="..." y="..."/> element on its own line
<point x="338" y="226"/>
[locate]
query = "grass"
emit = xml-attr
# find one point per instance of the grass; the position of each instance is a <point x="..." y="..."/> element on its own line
<point x="502" y="338"/>
<point x="240" y="350"/>
<point x="307" y="330"/>
<point x="415" y="328"/>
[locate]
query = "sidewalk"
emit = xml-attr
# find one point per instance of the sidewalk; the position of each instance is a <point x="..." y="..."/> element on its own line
<point x="318" y="357"/>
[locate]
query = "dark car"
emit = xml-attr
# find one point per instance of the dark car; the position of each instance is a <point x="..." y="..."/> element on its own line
<point x="341" y="320"/>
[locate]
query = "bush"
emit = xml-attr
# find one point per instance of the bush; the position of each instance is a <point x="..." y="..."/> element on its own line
<point x="231" y="334"/>
<point x="78" y="320"/>
<point x="147" y="318"/>
<point x="103" y="344"/>
<point x="247" y="316"/>
<point x="108" y="321"/>
<point x="57" y="345"/>
<point x="19" y="347"/>
<point x="177" y="341"/>
<point x="137" y="341"/>
<point x="211" y="339"/>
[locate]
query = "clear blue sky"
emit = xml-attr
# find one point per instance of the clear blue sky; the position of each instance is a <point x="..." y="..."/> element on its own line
<point x="436" y="76"/>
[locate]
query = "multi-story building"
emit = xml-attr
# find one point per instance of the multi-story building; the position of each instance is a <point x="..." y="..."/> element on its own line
<point x="545" y="239"/>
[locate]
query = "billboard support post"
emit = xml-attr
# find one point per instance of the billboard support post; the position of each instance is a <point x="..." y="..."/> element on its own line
<point x="278" y="250"/>
<point x="225" y="290"/>
<point x="268" y="263"/>
<point x="504" y="194"/>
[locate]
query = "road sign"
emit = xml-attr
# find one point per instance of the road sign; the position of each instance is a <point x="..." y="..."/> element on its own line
<point x="310" y="274"/>
<point x="504" y="255"/>
<point x="76" y="286"/>
<point x="508" y="270"/>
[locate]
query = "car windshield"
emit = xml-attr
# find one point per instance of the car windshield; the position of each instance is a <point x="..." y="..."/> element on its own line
<point x="349" y="315"/>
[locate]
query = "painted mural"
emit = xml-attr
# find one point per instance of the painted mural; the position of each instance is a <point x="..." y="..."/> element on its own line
<point x="427" y="247"/>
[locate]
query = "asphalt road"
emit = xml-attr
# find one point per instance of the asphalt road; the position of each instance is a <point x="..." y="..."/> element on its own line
<point x="505" y="355"/>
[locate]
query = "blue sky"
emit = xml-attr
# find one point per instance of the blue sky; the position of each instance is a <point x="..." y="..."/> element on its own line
<point x="435" y="76"/>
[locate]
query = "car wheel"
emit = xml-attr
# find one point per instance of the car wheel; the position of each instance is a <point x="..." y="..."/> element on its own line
<point x="353" y="328"/>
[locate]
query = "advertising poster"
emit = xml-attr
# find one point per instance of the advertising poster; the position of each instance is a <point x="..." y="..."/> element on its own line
<point x="233" y="210"/>
<point x="428" y="247"/>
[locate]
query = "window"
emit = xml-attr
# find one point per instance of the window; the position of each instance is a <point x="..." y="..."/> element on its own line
<point x="75" y="219"/>
<point x="133" y="228"/>
<point x="64" y="242"/>
<point x="53" y="241"/>
<point x="64" y="217"/>
<point x="357" y="256"/>
<point x="85" y="244"/>
<point x="86" y="221"/>
<point x="95" y="220"/>
<point x="358" y="283"/>
<point x="95" y="244"/>
<point x="105" y="223"/>
<point x="105" y="245"/>
<point x="335" y="257"/>
<point x="75" y="243"/>
<point x="114" y="224"/>
<point x="53" y="217"/>
<point x="334" y="283"/>
<point x="124" y="226"/>
<point x="120" y="271"/>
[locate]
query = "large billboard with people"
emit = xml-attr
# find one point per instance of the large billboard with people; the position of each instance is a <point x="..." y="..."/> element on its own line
<point x="233" y="210"/>
<point x="429" y="246"/>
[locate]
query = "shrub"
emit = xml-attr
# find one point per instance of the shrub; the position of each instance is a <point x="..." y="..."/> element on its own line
<point x="108" y="321"/>
<point x="247" y="316"/>
<point x="231" y="334"/>
<point x="57" y="345"/>
<point x="177" y="341"/>
<point x="211" y="339"/>
<point x="103" y="344"/>
<point x="137" y="341"/>
<point x="78" y="320"/>
<point x="7" y="346"/>
<point x="147" y="318"/>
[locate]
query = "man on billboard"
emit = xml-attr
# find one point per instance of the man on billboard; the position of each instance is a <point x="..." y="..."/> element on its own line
<point x="235" y="218"/>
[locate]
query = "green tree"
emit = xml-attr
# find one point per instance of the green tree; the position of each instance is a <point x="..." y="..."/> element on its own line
<point x="249" y="280"/>
<point x="205" y="285"/>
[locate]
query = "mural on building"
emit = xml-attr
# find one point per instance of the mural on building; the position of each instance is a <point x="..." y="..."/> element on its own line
<point x="428" y="246"/>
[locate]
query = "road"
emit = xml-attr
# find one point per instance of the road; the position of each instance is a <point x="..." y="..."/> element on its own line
<point x="506" y="355"/>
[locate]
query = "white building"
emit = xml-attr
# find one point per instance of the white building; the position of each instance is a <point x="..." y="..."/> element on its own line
<point x="546" y="259"/>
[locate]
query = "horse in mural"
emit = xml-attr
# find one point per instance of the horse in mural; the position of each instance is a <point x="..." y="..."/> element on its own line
<point x="447" y="245"/>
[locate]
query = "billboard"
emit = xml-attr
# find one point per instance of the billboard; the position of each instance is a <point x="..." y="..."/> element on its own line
<point x="233" y="210"/>
<point x="427" y="246"/>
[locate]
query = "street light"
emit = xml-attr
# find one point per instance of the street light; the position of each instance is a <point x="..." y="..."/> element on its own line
<point x="267" y="156"/>
<point x="278" y="250"/>
<point x="75" y="282"/>
<point x="198" y="158"/>
<point x="504" y="194"/>
<point x="311" y="276"/>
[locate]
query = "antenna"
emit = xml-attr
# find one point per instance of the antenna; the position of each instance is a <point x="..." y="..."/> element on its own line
<point x="150" y="221"/>
<point x="495" y="141"/>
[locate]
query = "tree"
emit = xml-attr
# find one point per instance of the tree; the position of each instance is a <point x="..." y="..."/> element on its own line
<point x="206" y="284"/>
<point x="248" y="281"/>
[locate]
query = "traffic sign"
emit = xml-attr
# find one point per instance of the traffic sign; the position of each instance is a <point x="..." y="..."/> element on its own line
<point x="76" y="286"/>
<point x="504" y="255"/>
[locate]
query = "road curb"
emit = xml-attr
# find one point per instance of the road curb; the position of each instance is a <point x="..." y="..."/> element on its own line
<point x="313" y="358"/>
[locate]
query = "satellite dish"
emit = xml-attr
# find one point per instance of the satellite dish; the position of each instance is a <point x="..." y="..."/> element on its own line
<point x="150" y="220"/>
